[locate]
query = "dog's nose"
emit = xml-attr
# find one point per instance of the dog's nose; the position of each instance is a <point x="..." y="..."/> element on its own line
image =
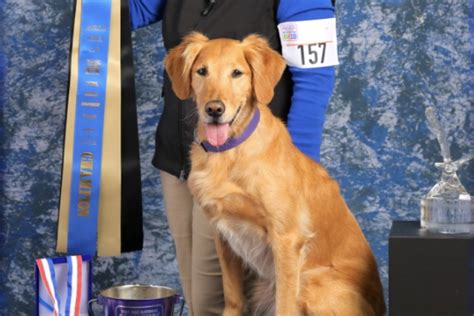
<point x="215" y="108"/>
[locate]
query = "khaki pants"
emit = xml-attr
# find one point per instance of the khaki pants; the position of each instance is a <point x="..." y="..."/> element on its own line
<point x="199" y="269"/>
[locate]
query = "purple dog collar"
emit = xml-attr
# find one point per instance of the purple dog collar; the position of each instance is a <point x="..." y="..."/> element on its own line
<point x="234" y="142"/>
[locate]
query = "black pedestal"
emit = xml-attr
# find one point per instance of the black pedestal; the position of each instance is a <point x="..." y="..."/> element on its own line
<point x="429" y="273"/>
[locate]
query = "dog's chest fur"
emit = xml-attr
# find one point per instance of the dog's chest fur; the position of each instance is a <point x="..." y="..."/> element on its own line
<point x="249" y="242"/>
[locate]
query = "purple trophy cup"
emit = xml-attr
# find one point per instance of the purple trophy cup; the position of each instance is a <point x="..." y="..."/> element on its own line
<point x="138" y="300"/>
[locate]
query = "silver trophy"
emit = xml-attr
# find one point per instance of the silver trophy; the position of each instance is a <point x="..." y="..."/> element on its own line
<point x="448" y="207"/>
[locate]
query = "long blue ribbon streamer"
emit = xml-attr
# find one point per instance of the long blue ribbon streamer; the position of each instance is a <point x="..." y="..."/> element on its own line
<point x="89" y="119"/>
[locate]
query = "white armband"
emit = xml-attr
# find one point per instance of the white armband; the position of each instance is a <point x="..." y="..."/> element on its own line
<point x="309" y="44"/>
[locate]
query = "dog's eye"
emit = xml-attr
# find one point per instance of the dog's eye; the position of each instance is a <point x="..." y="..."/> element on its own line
<point x="237" y="73"/>
<point x="202" y="71"/>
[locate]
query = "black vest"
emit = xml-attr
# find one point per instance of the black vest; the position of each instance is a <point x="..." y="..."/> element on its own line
<point x="227" y="18"/>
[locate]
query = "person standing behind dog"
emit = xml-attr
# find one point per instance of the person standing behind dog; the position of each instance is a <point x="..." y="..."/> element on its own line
<point x="304" y="31"/>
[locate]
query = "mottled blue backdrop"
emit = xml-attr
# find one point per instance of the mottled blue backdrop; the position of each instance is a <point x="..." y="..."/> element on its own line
<point x="397" y="58"/>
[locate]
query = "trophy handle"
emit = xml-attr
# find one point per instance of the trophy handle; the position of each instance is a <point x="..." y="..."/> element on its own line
<point x="92" y="301"/>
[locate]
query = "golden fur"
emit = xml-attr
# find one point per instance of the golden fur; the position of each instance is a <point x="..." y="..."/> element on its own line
<point x="274" y="209"/>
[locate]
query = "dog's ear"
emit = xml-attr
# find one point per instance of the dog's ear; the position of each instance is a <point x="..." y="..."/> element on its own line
<point x="266" y="64"/>
<point x="179" y="61"/>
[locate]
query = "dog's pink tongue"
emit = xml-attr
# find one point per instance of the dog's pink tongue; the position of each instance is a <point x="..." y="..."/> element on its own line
<point x="217" y="134"/>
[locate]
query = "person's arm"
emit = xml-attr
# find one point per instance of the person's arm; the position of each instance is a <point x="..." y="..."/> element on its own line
<point x="313" y="76"/>
<point x="145" y="12"/>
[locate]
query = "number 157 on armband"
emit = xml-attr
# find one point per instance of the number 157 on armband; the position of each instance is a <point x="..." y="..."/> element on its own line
<point x="312" y="53"/>
<point x="309" y="44"/>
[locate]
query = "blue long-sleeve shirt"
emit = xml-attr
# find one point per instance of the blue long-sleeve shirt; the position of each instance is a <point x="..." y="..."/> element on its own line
<point x="312" y="86"/>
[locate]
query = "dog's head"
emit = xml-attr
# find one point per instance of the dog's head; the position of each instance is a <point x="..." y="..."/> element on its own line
<point x="225" y="77"/>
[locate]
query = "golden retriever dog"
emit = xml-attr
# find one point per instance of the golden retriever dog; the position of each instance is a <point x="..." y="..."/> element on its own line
<point x="275" y="210"/>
